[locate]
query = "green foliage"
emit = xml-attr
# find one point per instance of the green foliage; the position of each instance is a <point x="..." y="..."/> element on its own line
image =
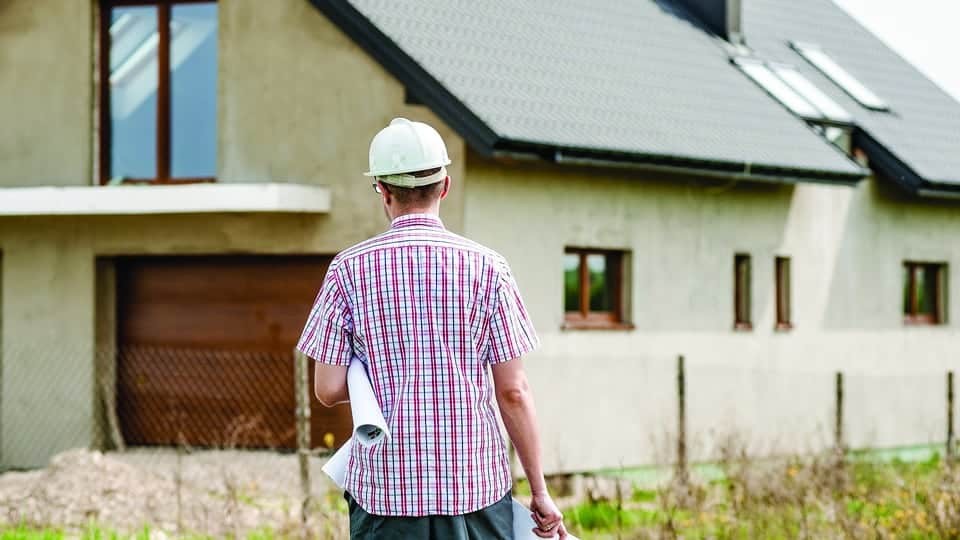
<point x="818" y="497"/>
<point x="24" y="533"/>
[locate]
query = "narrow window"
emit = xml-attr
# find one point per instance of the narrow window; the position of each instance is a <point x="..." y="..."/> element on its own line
<point x="158" y="91"/>
<point x="593" y="288"/>
<point x="741" y="294"/>
<point x="924" y="293"/>
<point x="782" y="270"/>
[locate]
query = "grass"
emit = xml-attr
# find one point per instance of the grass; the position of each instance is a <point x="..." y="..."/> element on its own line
<point x="860" y="496"/>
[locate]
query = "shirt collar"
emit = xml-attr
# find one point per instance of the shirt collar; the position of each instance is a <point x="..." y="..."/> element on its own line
<point x="417" y="220"/>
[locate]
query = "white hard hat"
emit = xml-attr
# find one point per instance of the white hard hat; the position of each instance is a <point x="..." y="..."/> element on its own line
<point x="406" y="147"/>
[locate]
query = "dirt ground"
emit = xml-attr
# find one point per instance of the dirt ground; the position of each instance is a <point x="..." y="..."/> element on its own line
<point x="216" y="493"/>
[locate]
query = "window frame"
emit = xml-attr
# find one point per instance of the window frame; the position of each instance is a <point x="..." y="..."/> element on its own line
<point x="784" y="299"/>
<point x="911" y="307"/>
<point x="742" y="296"/>
<point x="585" y="319"/>
<point x="164" y="111"/>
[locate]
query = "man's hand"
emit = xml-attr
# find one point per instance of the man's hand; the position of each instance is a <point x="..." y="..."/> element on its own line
<point x="547" y="516"/>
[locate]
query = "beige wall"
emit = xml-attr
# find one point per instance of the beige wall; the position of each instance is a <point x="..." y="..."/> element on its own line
<point x="847" y="247"/>
<point x="47" y="390"/>
<point x="298" y="102"/>
<point x="46" y="71"/>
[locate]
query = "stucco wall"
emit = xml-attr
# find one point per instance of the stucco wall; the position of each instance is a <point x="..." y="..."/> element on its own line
<point x="45" y="79"/>
<point x="773" y="388"/>
<point x="298" y="102"/>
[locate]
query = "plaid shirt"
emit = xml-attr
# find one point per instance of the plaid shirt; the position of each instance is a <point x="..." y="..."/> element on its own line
<point x="426" y="311"/>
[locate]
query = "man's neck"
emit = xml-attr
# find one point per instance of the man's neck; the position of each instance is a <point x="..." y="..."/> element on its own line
<point x="431" y="210"/>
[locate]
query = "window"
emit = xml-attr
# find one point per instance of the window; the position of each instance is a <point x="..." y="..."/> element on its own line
<point x="158" y="91"/>
<point x="741" y="292"/>
<point x="593" y="288"/>
<point x="924" y="293"/>
<point x="841" y="77"/>
<point x="793" y="90"/>
<point x="782" y="272"/>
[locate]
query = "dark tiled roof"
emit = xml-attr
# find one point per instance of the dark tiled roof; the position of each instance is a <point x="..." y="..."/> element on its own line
<point x="635" y="79"/>
<point x="922" y="129"/>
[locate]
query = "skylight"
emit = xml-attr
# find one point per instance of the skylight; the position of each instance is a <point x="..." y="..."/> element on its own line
<point x="841" y="77"/>
<point x="807" y="89"/>
<point x="794" y="91"/>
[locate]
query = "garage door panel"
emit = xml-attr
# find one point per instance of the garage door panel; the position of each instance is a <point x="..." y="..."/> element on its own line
<point x="216" y="278"/>
<point x="206" y="351"/>
<point x="254" y="327"/>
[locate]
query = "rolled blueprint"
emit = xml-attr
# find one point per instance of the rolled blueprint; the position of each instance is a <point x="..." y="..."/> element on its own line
<point x="369" y="427"/>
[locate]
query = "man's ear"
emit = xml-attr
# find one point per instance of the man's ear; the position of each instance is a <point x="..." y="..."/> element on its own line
<point x="385" y="193"/>
<point x="446" y="188"/>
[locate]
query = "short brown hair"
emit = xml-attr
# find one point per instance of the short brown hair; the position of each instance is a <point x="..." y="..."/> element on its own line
<point x="417" y="196"/>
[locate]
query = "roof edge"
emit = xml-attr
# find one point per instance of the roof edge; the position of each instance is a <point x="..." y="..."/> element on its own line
<point x="677" y="164"/>
<point x="889" y="166"/>
<point x="402" y="66"/>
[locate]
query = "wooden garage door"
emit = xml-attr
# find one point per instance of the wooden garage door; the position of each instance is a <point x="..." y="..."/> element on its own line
<point x="205" y="351"/>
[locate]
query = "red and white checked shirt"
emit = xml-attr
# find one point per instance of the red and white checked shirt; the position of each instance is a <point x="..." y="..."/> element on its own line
<point x="426" y="311"/>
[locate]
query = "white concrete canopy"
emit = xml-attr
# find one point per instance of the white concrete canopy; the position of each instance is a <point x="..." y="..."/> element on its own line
<point x="164" y="199"/>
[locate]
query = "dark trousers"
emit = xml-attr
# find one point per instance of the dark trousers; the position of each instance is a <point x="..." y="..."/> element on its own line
<point x="494" y="522"/>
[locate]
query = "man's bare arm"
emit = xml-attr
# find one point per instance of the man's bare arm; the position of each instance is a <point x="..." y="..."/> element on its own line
<point x="330" y="384"/>
<point x="520" y="418"/>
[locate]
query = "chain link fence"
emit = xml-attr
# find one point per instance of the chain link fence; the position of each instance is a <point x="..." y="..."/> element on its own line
<point x="230" y="442"/>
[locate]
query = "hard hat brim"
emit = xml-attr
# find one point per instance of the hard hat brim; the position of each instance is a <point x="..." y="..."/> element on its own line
<point x="406" y="170"/>
<point x="411" y="181"/>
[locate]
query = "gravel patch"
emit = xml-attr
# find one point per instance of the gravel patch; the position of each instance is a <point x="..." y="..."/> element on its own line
<point x="216" y="493"/>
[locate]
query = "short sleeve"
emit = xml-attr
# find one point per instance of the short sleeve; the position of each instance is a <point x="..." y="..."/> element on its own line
<point x="511" y="331"/>
<point x="328" y="335"/>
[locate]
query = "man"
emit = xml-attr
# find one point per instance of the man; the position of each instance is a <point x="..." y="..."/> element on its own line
<point x="431" y="315"/>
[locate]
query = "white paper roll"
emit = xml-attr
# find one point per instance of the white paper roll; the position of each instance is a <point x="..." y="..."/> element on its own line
<point x="369" y="426"/>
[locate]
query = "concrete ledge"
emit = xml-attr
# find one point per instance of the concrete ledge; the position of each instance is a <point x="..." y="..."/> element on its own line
<point x="164" y="199"/>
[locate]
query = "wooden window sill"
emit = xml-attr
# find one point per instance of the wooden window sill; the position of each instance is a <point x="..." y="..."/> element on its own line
<point x="921" y="322"/>
<point x="596" y="325"/>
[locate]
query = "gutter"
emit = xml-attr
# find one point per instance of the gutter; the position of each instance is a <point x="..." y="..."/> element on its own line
<point x="726" y="170"/>
<point x="746" y="173"/>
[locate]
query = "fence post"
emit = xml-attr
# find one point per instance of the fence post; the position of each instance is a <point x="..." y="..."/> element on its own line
<point x="681" y="421"/>
<point x="838" y="416"/>
<point x="950" y="449"/>
<point x="302" y="390"/>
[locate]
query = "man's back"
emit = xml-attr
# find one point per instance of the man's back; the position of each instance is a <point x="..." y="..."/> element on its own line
<point x="426" y="311"/>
